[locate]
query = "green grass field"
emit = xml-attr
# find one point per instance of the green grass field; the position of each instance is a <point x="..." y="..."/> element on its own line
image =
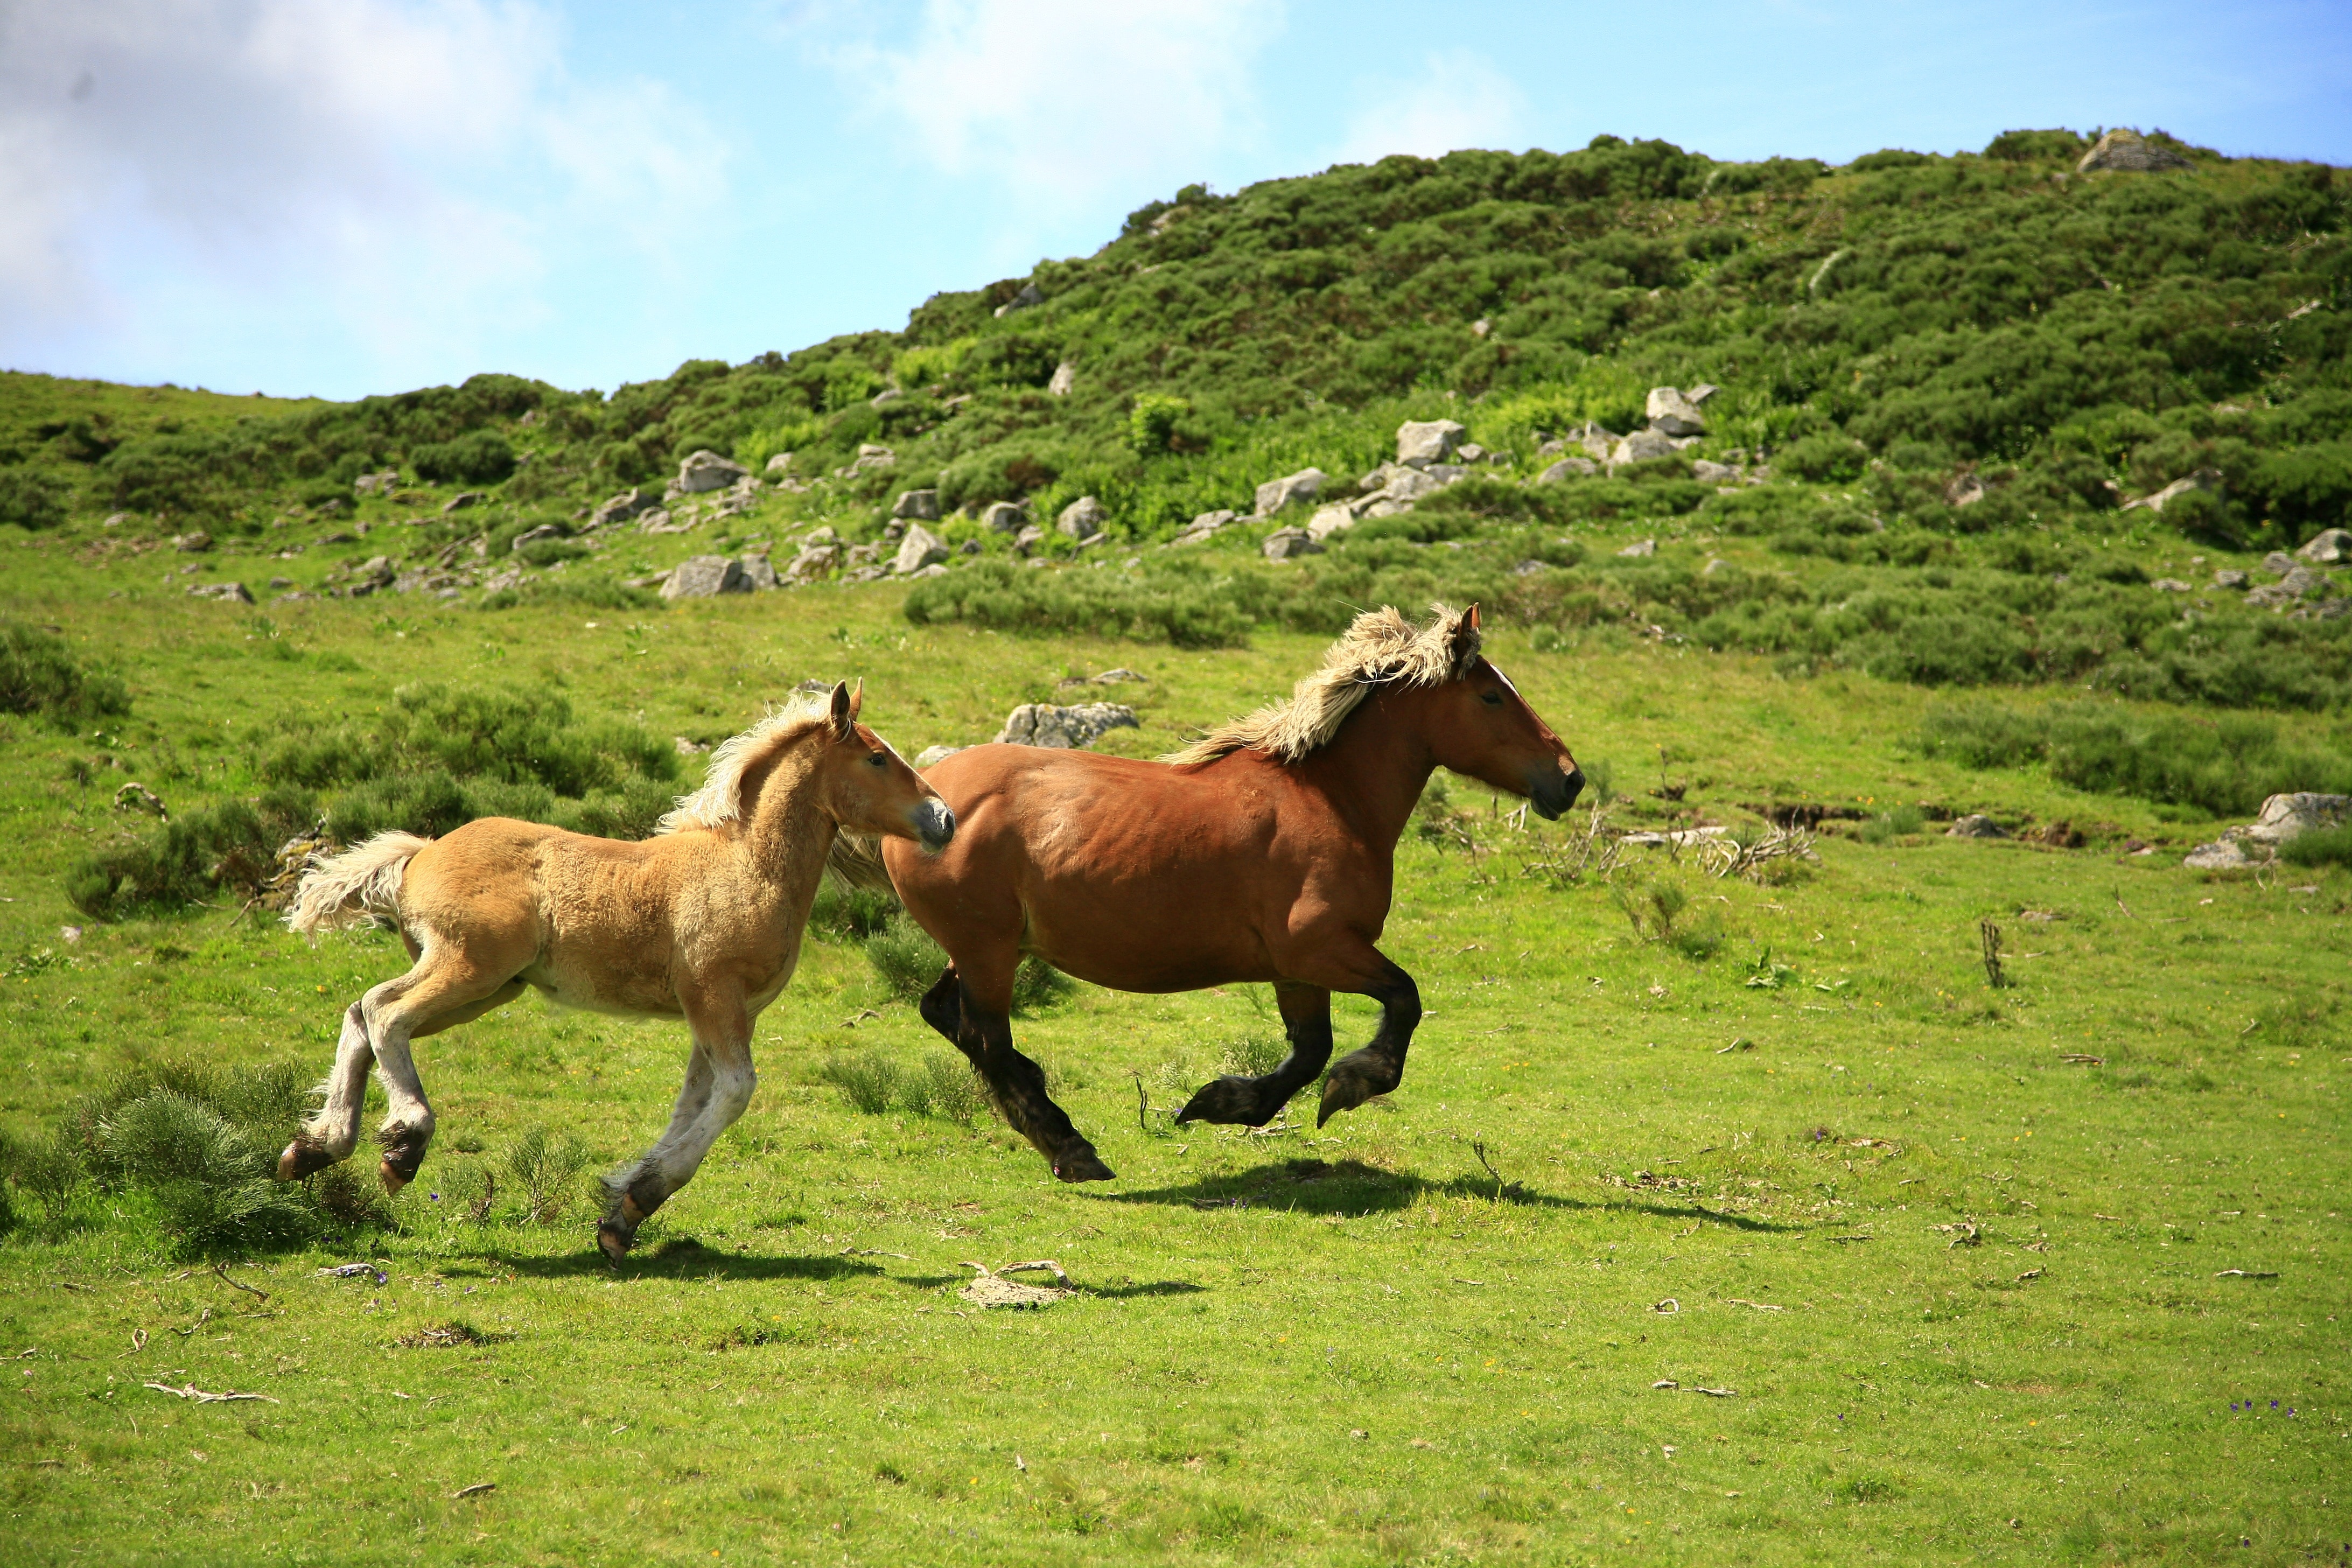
<point x="1784" y="1238"/>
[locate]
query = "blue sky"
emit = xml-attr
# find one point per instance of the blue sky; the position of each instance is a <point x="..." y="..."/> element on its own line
<point x="345" y="197"/>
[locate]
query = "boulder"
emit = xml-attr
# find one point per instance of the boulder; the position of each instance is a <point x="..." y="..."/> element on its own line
<point x="620" y="509"/>
<point x="1028" y="539"/>
<point x="376" y="484"/>
<point x="1071" y="729"/>
<point x="1597" y="439"/>
<point x="2171" y="585"/>
<point x="930" y="754"/>
<point x="2127" y="152"/>
<point x="759" y="571"/>
<point x="1065" y="379"/>
<point x="1420" y="442"/>
<point x="1329" y="521"/>
<point x="779" y="463"/>
<point x="2202" y="480"/>
<point x="1304" y="485"/>
<point x="1081" y="517"/>
<point x="533" y="536"/>
<point x="228" y="592"/>
<point x="1965" y="490"/>
<point x="2331" y="547"/>
<point x="1568" y="469"/>
<point x="869" y="456"/>
<point x="1672" y="414"/>
<point x="1030" y="297"/>
<point x="1471" y="452"/>
<point x="2226" y="578"/>
<point x="1976" y="825"/>
<point x="1641" y="547"/>
<point x="1288" y="545"/>
<point x="2278" y="563"/>
<point x="1003" y="517"/>
<point x="1528" y="568"/>
<point x="1709" y="473"/>
<point x="923" y="505"/>
<point x="1204" y="527"/>
<point x="813" y="562"/>
<point x="2282" y="817"/>
<point x="1406" y="486"/>
<point x="919" y="548"/>
<point x="704" y="578"/>
<point x="194" y="544"/>
<point x="1695" y="396"/>
<point x="1642" y="445"/>
<point x="2300" y="582"/>
<point x="707" y="470"/>
<point x="461" y="500"/>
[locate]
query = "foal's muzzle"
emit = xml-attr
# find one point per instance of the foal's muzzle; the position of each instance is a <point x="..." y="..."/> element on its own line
<point x="1553" y="791"/>
<point x="934" y="824"/>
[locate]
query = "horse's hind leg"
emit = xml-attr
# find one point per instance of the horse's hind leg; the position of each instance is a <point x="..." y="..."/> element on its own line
<point x="717" y="1088"/>
<point x="984" y="1034"/>
<point x="1254" y="1101"/>
<point x="1378" y="1067"/>
<point x="330" y="1133"/>
<point x="446" y="988"/>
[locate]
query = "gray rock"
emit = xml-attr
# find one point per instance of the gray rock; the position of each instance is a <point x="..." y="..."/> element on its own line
<point x="1642" y="445"/>
<point x="779" y="463"/>
<point x="1420" y="442"/>
<point x="1965" y="490"/>
<point x="1288" y="545"/>
<point x="1029" y="299"/>
<point x="1641" y="547"/>
<point x="704" y="578"/>
<point x="707" y="470"/>
<point x="1329" y="521"/>
<point x="2278" y="563"/>
<point x="1695" y="396"/>
<point x="2127" y="152"/>
<point x="923" y="505"/>
<point x="1597" y="439"/>
<point x="2227" y="578"/>
<point x="194" y="544"/>
<point x="935" y="569"/>
<point x="1976" y="825"/>
<point x="930" y="754"/>
<point x="813" y="563"/>
<point x="1471" y="452"/>
<point x="869" y="456"/>
<point x="2202" y="480"/>
<point x="1709" y="473"/>
<point x="462" y="500"/>
<point x="972" y="546"/>
<point x="1081" y="517"/>
<point x="1205" y="526"/>
<point x="2171" y="585"/>
<point x="1444" y="473"/>
<point x="2300" y="582"/>
<point x="1028" y="539"/>
<point x="1528" y="568"/>
<point x="532" y="536"/>
<point x="1406" y="486"/>
<point x="919" y="548"/>
<point x="620" y="509"/>
<point x="2282" y="817"/>
<point x="1304" y="485"/>
<point x="1091" y="540"/>
<point x="1672" y="414"/>
<point x="1003" y="517"/>
<point x="887" y="394"/>
<point x="1065" y="379"/>
<point x="759" y="571"/>
<point x="376" y="484"/>
<point x="1568" y="469"/>
<point x="228" y="592"/>
<point x="2330" y="548"/>
<point x="1382" y="506"/>
<point x="1070" y="729"/>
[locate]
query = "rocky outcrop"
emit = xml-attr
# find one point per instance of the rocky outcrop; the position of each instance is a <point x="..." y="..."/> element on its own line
<point x="228" y="592"/>
<point x="1976" y="825"/>
<point x="919" y="549"/>
<point x="1642" y="446"/>
<point x="619" y="508"/>
<point x="2202" y="480"/>
<point x="1709" y="473"/>
<point x="1568" y="469"/>
<point x="1070" y="729"/>
<point x="705" y="577"/>
<point x="381" y="484"/>
<point x="2128" y="152"/>
<point x="2282" y="818"/>
<point x="1029" y="299"/>
<point x="869" y="456"/>
<point x="1329" y="521"/>
<point x="1672" y="414"/>
<point x="779" y="463"/>
<point x="2330" y="548"/>
<point x="759" y="571"/>
<point x="707" y="470"/>
<point x="1205" y="526"/>
<point x="922" y="505"/>
<point x="1288" y="545"/>
<point x="1003" y="517"/>
<point x="1420" y="442"/>
<point x="1304" y="485"/>
<point x="1082" y="518"/>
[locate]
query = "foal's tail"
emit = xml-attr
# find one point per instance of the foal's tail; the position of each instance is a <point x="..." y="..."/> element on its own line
<point x="342" y="889"/>
<point x="857" y="859"/>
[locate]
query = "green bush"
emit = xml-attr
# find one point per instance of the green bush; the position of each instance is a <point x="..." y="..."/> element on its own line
<point x="904" y="956"/>
<point x="216" y="1182"/>
<point x="549" y="1171"/>
<point x="2226" y="765"/>
<point x="477" y="458"/>
<point x="232" y="846"/>
<point x="874" y="1083"/>
<point x="29" y="499"/>
<point x="2323" y="847"/>
<point x="871" y="1080"/>
<point x="39" y="674"/>
<point x="1894" y="822"/>
<point x="1168" y="603"/>
<point x="1153" y="421"/>
<point x="844" y="914"/>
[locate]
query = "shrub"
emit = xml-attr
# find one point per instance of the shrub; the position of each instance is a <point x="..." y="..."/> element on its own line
<point x="216" y="1182"/>
<point x="1170" y="603"/>
<point x="870" y="1080"/>
<point x="905" y="957"/>
<point x="1153" y="421"/>
<point x="39" y="674"/>
<point x="234" y="845"/>
<point x="28" y="500"/>
<point x="2323" y="847"/>
<point x="872" y="1083"/>
<point x="1894" y="822"/>
<point x="2225" y="764"/>
<point x="548" y="1171"/>
<point x="477" y="458"/>
<point x="1822" y="457"/>
<point x="845" y="913"/>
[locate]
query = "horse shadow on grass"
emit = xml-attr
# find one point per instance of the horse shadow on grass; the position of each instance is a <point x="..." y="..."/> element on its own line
<point x="1351" y="1187"/>
<point x="684" y="1257"/>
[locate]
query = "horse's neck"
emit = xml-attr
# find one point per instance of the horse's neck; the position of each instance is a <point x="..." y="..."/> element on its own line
<point x="786" y="837"/>
<point x="1374" y="770"/>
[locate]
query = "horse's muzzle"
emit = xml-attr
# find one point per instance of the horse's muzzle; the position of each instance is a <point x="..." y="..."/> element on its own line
<point x="934" y="824"/>
<point x="1553" y="793"/>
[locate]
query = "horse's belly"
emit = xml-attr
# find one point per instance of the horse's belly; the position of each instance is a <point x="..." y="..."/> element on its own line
<point x="622" y="995"/>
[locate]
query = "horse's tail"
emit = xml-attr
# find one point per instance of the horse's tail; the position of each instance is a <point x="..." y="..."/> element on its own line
<point x="857" y="859"/>
<point x="342" y="889"/>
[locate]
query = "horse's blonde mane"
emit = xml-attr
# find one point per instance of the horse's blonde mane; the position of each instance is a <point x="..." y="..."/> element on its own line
<point x="720" y="798"/>
<point x="1381" y="648"/>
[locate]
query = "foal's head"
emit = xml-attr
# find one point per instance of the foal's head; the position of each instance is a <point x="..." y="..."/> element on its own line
<point x="866" y="787"/>
<point x="1479" y="726"/>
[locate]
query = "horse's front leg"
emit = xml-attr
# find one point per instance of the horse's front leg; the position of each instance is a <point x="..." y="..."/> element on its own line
<point x="718" y="1083"/>
<point x="984" y="1035"/>
<point x="1254" y="1101"/>
<point x="1378" y="1067"/>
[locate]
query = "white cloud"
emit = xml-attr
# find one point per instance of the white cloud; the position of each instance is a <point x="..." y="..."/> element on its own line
<point x="1064" y="100"/>
<point x="1460" y="100"/>
<point x="174" y="172"/>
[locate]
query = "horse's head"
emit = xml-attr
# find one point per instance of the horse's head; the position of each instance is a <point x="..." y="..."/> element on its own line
<point x="1483" y="729"/>
<point x="868" y="788"/>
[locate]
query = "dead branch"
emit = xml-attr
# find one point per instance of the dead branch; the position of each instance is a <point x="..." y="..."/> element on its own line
<point x="192" y="1392"/>
<point x="222" y="1269"/>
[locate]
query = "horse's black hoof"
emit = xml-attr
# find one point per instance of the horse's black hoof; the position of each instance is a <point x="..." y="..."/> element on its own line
<point x="612" y="1241"/>
<point x="1083" y="1166"/>
<point x="1344" y="1092"/>
<point x="1233" y="1101"/>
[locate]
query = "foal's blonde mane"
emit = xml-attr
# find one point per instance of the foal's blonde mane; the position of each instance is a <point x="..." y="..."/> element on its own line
<point x="720" y="798"/>
<point x="1381" y="648"/>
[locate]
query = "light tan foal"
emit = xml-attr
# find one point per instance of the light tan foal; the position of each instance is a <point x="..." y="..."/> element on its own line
<point x="703" y="921"/>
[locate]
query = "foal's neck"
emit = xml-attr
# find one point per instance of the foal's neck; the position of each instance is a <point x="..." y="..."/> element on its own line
<point x="786" y="837"/>
<point x="1374" y="770"/>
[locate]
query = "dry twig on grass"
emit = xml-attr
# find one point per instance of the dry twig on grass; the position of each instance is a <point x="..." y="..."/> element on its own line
<point x="222" y="1269"/>
<point x="1729" y="856"/>
<point x="201" y="1397"/>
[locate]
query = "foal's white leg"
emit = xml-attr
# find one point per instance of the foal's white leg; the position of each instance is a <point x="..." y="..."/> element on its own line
<point x="719" y="1084"/>
<point x="408" y="1118"/>
<point x="329" y="1133"/>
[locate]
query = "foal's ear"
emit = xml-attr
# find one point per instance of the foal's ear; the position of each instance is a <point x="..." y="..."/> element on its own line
<point x="856" y="698"/>
<point x="844" y="710"/>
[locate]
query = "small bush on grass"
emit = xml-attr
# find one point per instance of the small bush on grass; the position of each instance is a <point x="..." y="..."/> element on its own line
<point x="844" y="914"/>
<point x="215" y="1182"/>
<point x="1894" y="822"/>
<point x="2226" y="763"/>
<point x="39" y="674"/>
<point x="548" y="1171"/>
<point x="2326" y="847"/>
<point x="477" y="458"/>
<point x="233" y="846"/>
<point x="1176" y="603"/>
<point x="910" y="963"/>
<point x="870" y="1080"/>
<point x="875" y="1083"/>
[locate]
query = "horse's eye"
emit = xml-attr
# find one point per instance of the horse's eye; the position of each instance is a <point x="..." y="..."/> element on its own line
<point x="1491" y="699"/>
<point x="874" y="761"/>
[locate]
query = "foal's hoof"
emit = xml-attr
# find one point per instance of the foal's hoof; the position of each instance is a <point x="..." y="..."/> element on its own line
<point x="391" y="1177"/>
<point x="1234" y="1101"/>
<point x="1083" y="1166"/>
<point x="612" y="1241"/>
<point x="301" y="1159"/>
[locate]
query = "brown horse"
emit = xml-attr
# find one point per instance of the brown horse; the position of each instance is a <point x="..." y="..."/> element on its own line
<point x="702" y="922"/>
<point x="1263" y="853"/>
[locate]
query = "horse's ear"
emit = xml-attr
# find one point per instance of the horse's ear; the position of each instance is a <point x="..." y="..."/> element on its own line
<point x="856" y="698"/>
<point x="1466" y="638"/>
<point x="844" y="710"/>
